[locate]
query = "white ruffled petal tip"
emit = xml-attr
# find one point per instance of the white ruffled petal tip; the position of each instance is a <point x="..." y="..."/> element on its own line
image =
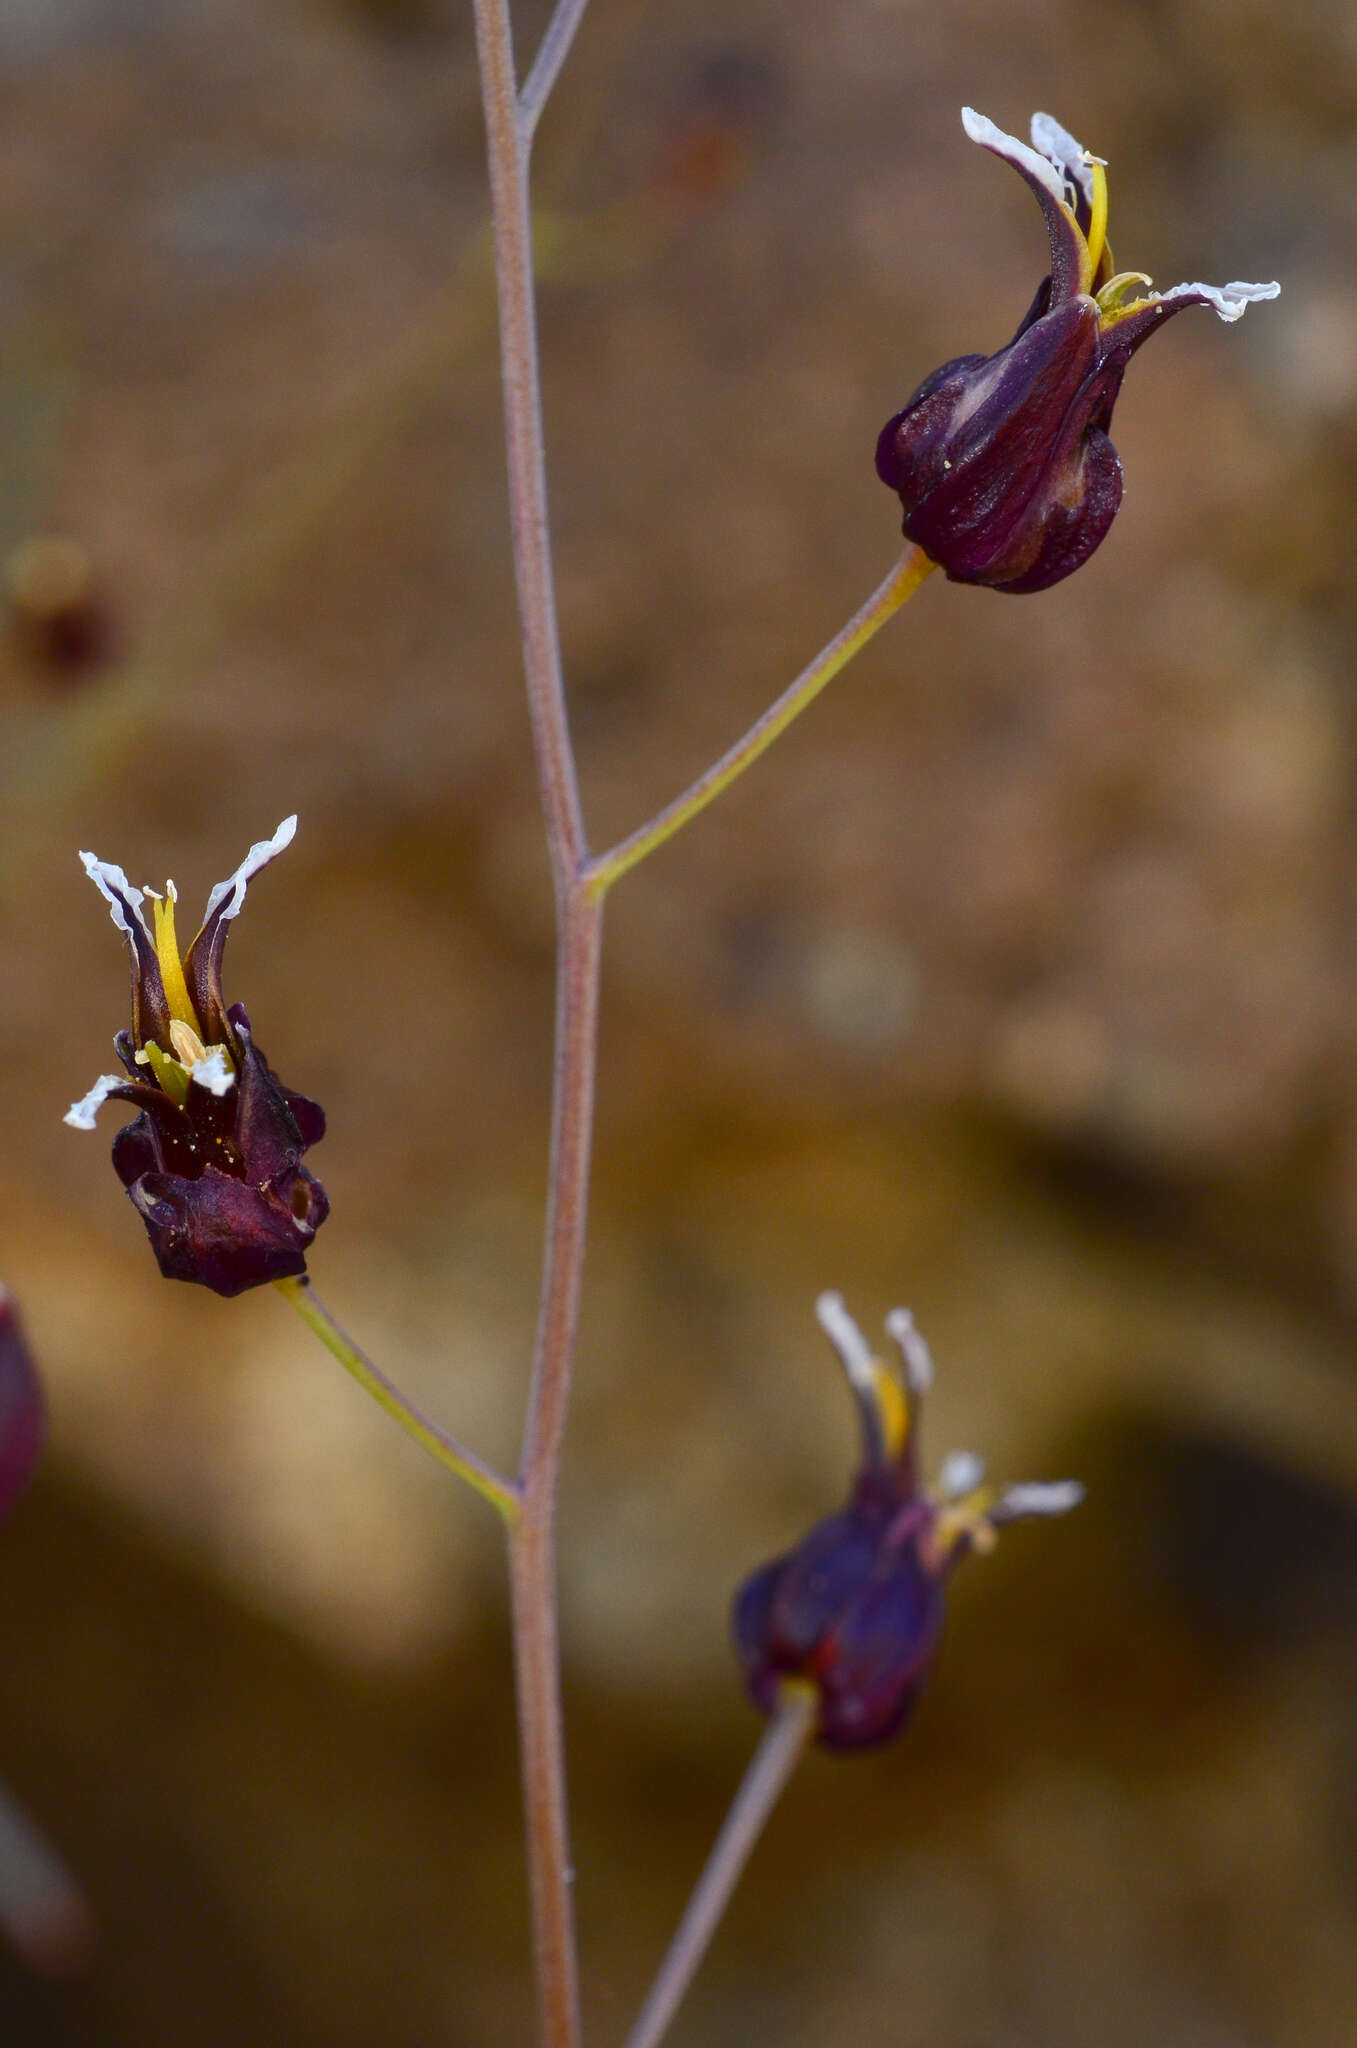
<point x="80" y="1116"/>
<point x="228" y="896"/>
<point x="1229" y="300"/>
<point x="984" y="131"/>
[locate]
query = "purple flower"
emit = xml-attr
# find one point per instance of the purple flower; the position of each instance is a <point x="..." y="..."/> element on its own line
<point x="213" y="1162"/>
<point x="1002" y="462"/>
<point x="856" y="1608"/>
<point x="22" y="1417"/>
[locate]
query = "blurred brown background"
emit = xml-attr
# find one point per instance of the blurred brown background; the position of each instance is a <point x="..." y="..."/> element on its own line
<point x="1016" y="984"/>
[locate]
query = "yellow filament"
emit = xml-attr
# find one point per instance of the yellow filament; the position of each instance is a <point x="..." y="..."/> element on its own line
<point x="171" y="966"/>
<point x="1097" y="226"/>
<point x="893" y="1409"/>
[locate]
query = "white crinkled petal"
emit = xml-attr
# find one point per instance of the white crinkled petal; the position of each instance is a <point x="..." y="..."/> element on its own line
<point x="918" y="1359"/>
<point x="1229" y="300"/>
<point x="228" y="896"/>
<point x="982" y="130"/>
<point x="116" y="891"/>
<point x="80" y="1116"/>
<point x="214" y="1072"/>
<point x="853" y="1349"/>
<point x="1037" y="1497"/>
<point x="1065" y="153"/>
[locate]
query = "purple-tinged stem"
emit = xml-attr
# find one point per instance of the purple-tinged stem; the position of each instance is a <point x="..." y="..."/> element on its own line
<point x="532" y="1548"/>
<point x="507" y="151"/>
<point x="580" y="886"/>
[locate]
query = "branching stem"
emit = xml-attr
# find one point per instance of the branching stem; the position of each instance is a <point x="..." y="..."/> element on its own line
<point x="507" y="151"/>
<point x="532" y="1550"/>
<point x="580" y="886"/>
<point x="546" y="65"/>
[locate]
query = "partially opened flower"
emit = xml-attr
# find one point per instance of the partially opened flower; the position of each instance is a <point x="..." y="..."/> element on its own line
<point x="856" y="1608"/>
<point x="22" y="1416"/>
<point x="213" y="1162"/>
<point x="1002" y="462"/>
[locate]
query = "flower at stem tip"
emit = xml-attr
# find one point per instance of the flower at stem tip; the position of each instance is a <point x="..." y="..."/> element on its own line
<point x="1002" y="462"/>
<point x="22" y="1415"/>
<point x="213" y="1161"/>
<point x="856" y="1608"/>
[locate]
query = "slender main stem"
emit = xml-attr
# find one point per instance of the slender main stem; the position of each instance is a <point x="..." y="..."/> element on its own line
<point x="501" y="1493"/>
<point x="507" y="146"/>
<point x="784" y="1742"/>
<point x="580" y="886"/>
<point x="532" y="1551"/>
<point x="577" y="981"/>
<point x="904" y="579"/>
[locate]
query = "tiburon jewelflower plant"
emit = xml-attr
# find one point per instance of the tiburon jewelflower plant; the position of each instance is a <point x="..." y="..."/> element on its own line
<point x="213" y="1162"/>
<point x="1002" y="462"/>
<point x="856" y="1608"/>
<point x="1007" y="477"/>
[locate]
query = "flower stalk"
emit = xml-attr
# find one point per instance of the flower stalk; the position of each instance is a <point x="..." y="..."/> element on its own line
<point x="552" y="52"/>
<point x="784" y="1744"/>
<point x="885" y="601"/>
<point x="492" y="1486"/>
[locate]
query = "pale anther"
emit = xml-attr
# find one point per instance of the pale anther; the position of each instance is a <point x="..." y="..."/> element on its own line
<point x="188" y="1047"/>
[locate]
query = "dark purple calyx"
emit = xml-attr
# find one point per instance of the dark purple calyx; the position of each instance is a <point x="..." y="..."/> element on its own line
<point x="1003" y="464"/>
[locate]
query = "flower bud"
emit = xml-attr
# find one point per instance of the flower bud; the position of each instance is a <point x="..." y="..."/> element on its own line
<point x="1003" y="463"/>
<point x="213" y="1162"/>
<point x="856" y="1607"/>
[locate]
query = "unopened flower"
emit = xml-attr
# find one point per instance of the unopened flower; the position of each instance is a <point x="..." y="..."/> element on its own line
<point x="22" y="1416"/>
<point x="213" y="1162"/>
<point x="1002" y="462"/>
<point x="856" y="1608"/>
